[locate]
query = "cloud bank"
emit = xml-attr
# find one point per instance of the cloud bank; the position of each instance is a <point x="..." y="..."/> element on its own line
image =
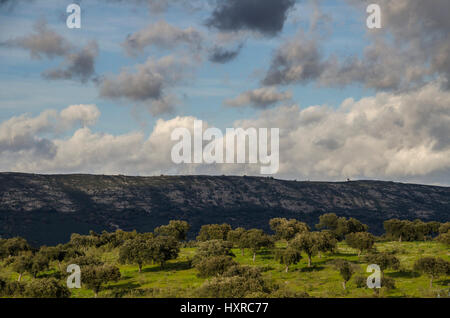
<point x="389" y="136"/>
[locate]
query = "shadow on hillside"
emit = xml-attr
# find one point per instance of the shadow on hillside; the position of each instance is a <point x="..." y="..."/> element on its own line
<point x="178" y="266"/>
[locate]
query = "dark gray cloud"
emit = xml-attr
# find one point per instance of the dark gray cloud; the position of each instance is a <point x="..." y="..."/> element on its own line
<point x="148" y="85"/>
<point x="259" y="98"/>
<point x="296" y="61"/>
<point x="412" y="46"/>
<point x="164" y="35"/>
<point x="264" y="16"/>
<point x="43" y="42"/>
<point x="79" y="65"/>
<point x="222" y="55"/>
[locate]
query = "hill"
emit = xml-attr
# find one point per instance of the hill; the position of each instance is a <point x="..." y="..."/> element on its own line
<point x="46" y="209"/>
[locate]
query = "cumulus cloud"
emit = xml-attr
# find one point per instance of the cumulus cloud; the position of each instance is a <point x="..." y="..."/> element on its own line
<point x="387" y="136"/>
<point x="266" y="17"/>
<point x="259" y="98"/>
<point x="78" y="64"/>
<point x="222" y="55"/>
<point x="148" y="84"/>
<point x="22" y="135"/>
<point x="164" y="35"/>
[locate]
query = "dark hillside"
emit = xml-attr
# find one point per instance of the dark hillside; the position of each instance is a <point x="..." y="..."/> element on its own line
<point x="48" y="208"/>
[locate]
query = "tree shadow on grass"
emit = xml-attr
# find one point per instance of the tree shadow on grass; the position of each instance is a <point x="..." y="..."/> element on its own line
<point x="444" y="282"/>
<point x="313" y="268"/>
<point x="339" y="254"/>
<point x="403" y="274"/>
<point x="123" y="286"/>
<point x="178" y="266"/>
<point x="56" y="275"/>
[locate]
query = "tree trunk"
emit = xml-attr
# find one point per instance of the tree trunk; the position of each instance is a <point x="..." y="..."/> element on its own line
<point x="20" y="277"/>
<point x="431" y="282"/>
<point x="400" y="238"/>
<point x="309" y="260"/>
<point x="254" y="257"/>
<point x="320" y="254"/>
<point x="242" y="250"/>
<point x="95" y="294"/>
<point x="140" y="268"/>
<point x="359" y="253"/>
<point x="287" y="269"/>
<point x="343" y="285"/>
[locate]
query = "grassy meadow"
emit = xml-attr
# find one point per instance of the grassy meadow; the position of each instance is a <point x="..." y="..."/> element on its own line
<point x="179" y="279"/>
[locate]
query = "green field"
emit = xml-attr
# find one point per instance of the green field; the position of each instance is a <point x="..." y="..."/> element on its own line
<point x="178" y="279"/>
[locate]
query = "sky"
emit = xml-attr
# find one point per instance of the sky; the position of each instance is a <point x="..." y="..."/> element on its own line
<point x="350" y="102"/>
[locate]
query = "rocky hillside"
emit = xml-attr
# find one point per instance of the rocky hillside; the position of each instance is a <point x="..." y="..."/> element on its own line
<point x="48" y="208"/>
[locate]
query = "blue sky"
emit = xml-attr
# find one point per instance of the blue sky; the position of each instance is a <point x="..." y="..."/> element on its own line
<point x="202" y="96"/>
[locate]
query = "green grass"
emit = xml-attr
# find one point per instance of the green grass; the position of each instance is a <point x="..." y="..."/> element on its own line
<point x="321" y="280"/>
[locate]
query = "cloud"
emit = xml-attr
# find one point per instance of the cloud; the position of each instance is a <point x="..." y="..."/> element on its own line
<point x="266" y="17"/>
<point x="21" y="135"/>
<point x="148" y="84"/>
<point x="259" y="98"/>
<point x="163" y="35"/>
<point x="160" y="6"/>
<point x="411" y="47"/>
<point x="78" y="64"/>
<point x="221" y="55"/>
<point x="296" y="61"/>
<point x="43" y="42"/>
<point x="388" y="136"/>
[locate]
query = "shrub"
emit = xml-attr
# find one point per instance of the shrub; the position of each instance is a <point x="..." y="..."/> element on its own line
<point x="360" y="281"/>
<point x="215" y="265"/>
<point x="362" y="241"/>
<point x="433" y="267"/>
<point x="46" y="288"/>
<point x="384" y="260"/>
<point x="212" y="248"/>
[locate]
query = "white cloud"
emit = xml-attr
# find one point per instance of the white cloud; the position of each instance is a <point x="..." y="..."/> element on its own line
<point x="387" y="136"/>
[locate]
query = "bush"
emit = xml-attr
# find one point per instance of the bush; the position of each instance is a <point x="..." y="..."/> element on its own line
<point x="387" y="282"/>
<point x="12" y="289"/>
<point x="231" y="287"/>
<point x="215" y="265"/>
<point x="360" y="281"/>
<point x="46" y="288"/>
<point x="212" y="248"/>
<point x="444" y="238"/>
<point x="384" y="260"/>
